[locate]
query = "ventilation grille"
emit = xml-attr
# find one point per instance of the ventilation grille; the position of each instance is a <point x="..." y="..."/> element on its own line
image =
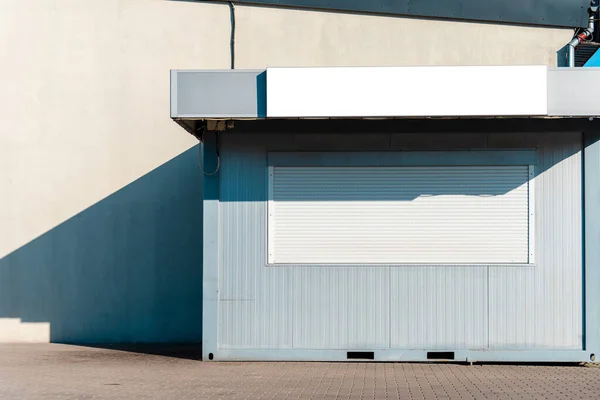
<point x="584" y="52"/>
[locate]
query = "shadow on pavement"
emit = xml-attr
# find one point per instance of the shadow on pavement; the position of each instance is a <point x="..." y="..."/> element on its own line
<point x="192" y="351"/>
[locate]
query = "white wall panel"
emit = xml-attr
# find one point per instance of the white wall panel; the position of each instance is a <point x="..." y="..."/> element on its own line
<point x="421" y="307"/>
<point x="254" y="301"/>
<point x="439" y="308"/>
<point x="341" y="308"/>
<point x="512" y="308"/>
<point x="541" y="307"/>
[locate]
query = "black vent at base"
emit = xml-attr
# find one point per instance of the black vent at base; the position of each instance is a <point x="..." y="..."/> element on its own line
<point x="440" y="355"/>
<point x="360" y="355"/>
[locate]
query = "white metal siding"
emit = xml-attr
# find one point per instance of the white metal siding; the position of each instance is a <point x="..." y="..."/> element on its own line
<point x="399" y="215"/>
<point x="348" y="307"/>
<point x="541" y="307"/>
<point x="532" y="307"/>
<point x="439" y="308"/>
<point x="254" y="301"/>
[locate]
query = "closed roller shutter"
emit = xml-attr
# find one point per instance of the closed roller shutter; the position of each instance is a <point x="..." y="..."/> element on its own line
<point x="399" y="215"/>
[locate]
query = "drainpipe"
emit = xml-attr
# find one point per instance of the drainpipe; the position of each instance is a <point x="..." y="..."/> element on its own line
<point x="587" y="33"/>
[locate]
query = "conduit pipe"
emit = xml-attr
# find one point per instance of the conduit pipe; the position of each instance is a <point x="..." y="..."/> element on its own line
<point x="587" y="33"/>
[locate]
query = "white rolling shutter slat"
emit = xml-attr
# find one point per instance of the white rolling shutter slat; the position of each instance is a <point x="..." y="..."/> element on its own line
<point x="399" y="215"/>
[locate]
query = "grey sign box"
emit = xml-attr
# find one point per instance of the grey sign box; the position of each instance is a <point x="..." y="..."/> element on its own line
<point x="572" y="92"/>
<point x="199" y="94"/>
<point x="241" y="94"/>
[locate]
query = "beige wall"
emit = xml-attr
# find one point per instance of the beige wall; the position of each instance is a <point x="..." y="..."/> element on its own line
<point x="84" y="105"/>
<point x="274" y="37"/>
<point x="84" y="89"/>
<point x="84" y="111"/>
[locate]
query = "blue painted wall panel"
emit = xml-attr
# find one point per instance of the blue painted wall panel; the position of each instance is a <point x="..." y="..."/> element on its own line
<point x="594" y="61"/>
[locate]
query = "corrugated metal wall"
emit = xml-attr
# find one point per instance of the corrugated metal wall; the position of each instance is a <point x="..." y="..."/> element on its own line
<point x="422" y="307"/>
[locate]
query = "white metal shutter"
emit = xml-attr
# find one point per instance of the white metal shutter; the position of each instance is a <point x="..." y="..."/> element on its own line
<point x="399" y="215"/>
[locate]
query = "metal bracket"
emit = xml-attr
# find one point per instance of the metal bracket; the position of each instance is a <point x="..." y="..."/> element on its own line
<point x="211" y="126"/>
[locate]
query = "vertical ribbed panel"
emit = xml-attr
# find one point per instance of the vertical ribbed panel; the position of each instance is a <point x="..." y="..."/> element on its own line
<point x="512" y="308"/>
<point x="399" y="215"/>
<point x="425" y="307"/>
<point x="558" y="283"/>
<point x="341" y="308"/>
<point x="439" y="308"/>
<point x="254" y="301"/>
<point x="542" y="307"/>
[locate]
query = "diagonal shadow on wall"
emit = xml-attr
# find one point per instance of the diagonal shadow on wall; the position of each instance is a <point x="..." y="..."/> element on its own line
<point x="126" y="270"/>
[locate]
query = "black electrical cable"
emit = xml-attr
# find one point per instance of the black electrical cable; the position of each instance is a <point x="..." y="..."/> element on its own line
<point x="218" y="158"/>
<point x="232" y="51"/>
<point x="232" y="39"/>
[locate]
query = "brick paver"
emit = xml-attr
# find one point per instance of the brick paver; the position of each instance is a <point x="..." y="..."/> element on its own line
<point x="75" y="372"/>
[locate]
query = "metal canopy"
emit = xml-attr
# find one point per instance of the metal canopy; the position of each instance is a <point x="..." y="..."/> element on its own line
<point x="387" y="93"/>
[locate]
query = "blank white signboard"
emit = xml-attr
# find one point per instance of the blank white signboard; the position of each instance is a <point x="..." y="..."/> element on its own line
<point x="406" y="91"/>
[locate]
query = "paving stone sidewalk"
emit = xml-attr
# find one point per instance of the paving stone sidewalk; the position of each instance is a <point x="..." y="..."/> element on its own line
<point x="76" y="372"/>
